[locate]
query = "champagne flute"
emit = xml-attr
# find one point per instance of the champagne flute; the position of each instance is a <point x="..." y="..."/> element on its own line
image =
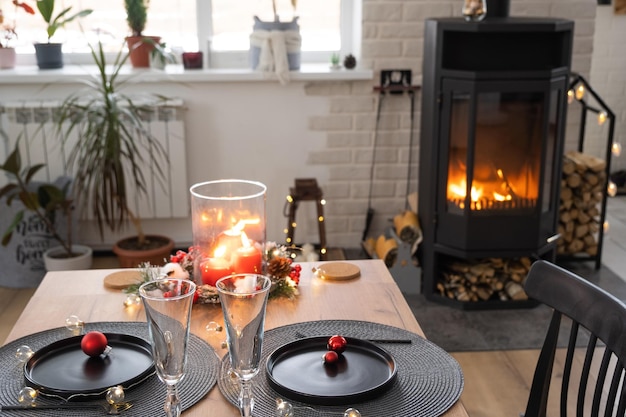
<point x="168" y="308"/>
<point x="244" y="298"/>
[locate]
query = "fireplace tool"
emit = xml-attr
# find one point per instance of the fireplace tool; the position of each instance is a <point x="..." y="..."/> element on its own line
<point x="392" y="82"/>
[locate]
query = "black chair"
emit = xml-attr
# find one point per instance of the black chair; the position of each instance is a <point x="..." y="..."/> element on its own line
<point x="604" y="318"/>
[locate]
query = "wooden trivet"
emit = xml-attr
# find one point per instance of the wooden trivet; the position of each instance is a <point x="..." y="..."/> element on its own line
<point x="122" y="279"/>
<point x="336" y="271"/>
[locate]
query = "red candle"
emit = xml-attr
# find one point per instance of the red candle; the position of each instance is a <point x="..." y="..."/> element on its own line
<point x="247" y="260"/>
<point x="213" y="269"/>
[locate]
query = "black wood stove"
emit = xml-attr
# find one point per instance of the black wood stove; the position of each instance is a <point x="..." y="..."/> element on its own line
<point x="492" y="133"/>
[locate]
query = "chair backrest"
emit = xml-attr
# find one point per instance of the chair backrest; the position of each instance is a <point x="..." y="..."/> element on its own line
<point x="595" y="314"/>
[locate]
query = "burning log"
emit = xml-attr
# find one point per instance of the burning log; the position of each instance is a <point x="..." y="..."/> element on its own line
<point x="484" y="279"/>
<point x="582" y="189"/>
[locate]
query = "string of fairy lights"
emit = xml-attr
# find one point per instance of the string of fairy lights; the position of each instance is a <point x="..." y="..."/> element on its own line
<point x="288" y="240"/>
<point x="581" y="92"/>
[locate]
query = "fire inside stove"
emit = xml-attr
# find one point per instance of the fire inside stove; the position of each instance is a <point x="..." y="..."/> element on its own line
<point x="505" y="159"/>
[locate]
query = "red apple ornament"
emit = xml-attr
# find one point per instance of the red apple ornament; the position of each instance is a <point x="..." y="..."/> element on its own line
<point x="336" y="343"/>
<point x="94" y="344"/>
<point x="330" y="357"/>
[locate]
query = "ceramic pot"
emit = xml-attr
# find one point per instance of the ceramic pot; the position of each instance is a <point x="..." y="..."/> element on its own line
<point x="139" y="50"/>
<point x="7" y="58"/>
<point x="55" y="259"/>
<point x="131" y="258"/>
<point x="293" y="57"/>
<point x="49" y="55"/>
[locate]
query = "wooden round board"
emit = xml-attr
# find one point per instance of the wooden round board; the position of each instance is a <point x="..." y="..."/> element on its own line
<point x="122" y="279"/>
<point x="336" y="271"/>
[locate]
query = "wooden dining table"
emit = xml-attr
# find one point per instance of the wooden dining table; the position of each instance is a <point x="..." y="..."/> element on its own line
<point x="373" y="296"/>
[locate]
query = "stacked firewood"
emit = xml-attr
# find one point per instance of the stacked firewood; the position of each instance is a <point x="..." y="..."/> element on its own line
<point x="484" y="279"/>
<point x="582" y="187"/>
<point x="406" y="229"/>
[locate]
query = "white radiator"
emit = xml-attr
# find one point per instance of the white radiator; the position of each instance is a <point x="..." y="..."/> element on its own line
<point x="32" y="122"/>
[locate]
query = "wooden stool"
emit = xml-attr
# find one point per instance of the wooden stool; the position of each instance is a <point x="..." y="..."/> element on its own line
<point x="306" y="189"/>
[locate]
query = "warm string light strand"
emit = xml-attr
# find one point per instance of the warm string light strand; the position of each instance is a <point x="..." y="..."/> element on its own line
<point x="286" y="409"/>
<point x="578" y="92"/>
<point x="320" y="219"/>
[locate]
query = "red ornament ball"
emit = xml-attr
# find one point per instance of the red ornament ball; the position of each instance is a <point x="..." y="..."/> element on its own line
<point x="93" y="344"/>
<point x="337" y="344"/>
<point x="330" y="357"/>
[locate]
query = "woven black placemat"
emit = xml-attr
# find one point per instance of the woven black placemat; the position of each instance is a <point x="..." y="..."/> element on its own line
<point x="429" y="380"/>
<point x="147" y="397"/>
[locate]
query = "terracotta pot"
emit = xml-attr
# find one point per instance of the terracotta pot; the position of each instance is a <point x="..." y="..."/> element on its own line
<point x="7" y="58"/>
<point x="139" y="50"/>
<point x="55" y="258"/>
<point x="131" y="258"/>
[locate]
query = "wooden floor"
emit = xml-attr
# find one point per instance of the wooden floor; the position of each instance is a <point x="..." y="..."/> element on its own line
<point x="496" y="382"/>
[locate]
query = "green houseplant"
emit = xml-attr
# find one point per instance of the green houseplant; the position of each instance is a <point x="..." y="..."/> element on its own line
<point x="49" y="55"/>
<point x="113" y="143"/>
<point x="139" y="46"/>
<point x="46" y="201"/>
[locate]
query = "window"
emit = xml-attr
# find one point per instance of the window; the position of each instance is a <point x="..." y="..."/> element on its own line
<point x="326" y="26"/>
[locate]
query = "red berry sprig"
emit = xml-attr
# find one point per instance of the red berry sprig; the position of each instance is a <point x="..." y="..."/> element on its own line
<point x="295" y="273"/>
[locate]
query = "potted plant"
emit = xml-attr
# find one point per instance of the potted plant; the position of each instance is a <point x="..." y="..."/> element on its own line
<point x="8" y="34"/>
<point x="113" y="143"/>
<point x="160" y="55"/>
<point x="46" y="201"/>
<point x="258" y="40"/>
<point x="139" y="46"/>
<point x="50" y="55"/>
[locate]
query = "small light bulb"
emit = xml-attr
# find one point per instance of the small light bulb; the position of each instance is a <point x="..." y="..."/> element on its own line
<point x="23" y="353"/>
<point x="570" y="96"/>
<point x="351" y="412"/>
<point x="132" y="300"/>
<point x="616" y="149"/>
<point x="294" y="225"/>
<point x="213" y="327"/>
<point x="580" y="92"/>
<point x="27" y="396"/>
<point x="283" y="408"/>
<point x="606" y="226"/>
<point x="320" y="219"/>
<point x="290" y="199"/>
<point x="612" y="189"/>
<point x="323" y="202"/>
<point x="115" y="395"/>
<point x="74" y="324"/>
<point x="602" y="117"/>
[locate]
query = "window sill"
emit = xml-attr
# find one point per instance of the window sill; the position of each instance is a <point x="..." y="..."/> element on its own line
<point x="73" y="73"/>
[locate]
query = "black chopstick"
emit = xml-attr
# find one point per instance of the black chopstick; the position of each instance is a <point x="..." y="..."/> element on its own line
<point x="404" y="341"/>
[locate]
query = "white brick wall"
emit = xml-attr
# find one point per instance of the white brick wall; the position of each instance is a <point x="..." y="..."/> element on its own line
<point x="608" y="79"/>
<point x="392" y="38"/>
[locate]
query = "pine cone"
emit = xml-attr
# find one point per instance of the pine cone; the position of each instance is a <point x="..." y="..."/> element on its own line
<point x="279" y="267"/>
<point x="349" y="62"/>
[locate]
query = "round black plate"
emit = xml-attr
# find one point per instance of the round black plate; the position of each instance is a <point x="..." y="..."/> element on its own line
<point x="63" y="369"/>
<point x="297" y="371"/>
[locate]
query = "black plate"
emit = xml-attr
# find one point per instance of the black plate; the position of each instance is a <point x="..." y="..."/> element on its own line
<point x="63" y="369"/>
<point x="297" y="371"/>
